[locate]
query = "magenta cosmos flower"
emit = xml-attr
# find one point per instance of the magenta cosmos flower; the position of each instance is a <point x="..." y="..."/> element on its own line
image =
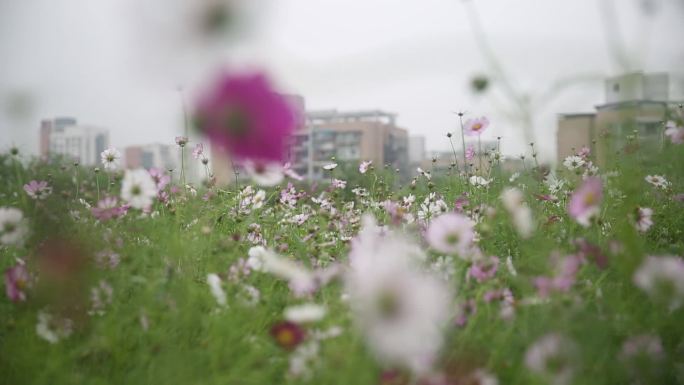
<point x="244" y="115"/>
<point x="585" y="201"/>
<point x="476" y="126"/>
<point x="17" y="278"/>
<point x="38" y="190"/>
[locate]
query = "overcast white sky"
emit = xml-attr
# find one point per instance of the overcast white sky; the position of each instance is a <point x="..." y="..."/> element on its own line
<point x="117" y="64"/>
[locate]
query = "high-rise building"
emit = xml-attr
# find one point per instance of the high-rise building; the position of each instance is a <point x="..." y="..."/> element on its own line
<point x="634" y="103"/>
<point x="352" y="136"/>
<point x="81" y="143"/>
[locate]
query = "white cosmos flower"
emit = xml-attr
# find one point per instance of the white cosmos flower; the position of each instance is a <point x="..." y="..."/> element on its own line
<point x="138" y="188"/>
<point x="555" y="184"/>
<point x="658" y="181"/>
<point x="264" y="174"/>
<point x="13" y="228"/>
<point x="51" y="328"/>
<point x="214" y="282"/>
<point x="400" y="309"/>
<point x="479" y="181"/>
<point x="553" y="356"/>
<point x="111" y="159"/>
<point x="301" y="280"/>
<point x="308" y="312"/>
<point x="521" y="213"/>
<point x="573" y="162"/>
<point x="330" y="167"/>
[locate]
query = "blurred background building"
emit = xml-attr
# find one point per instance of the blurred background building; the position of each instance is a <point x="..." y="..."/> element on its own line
<point x="162" y="156"/>
<point x="351" y="136"/>
<point x="64" y="136"/>
<point x="635" y="103"/>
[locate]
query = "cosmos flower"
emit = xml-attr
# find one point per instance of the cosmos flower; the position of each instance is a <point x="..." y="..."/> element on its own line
<point x="644" y="219"/>
<point x="521" y="213"/>
<point x="484" y="268"/>
<point x="111" y="159"/>
<point x="287" y="334"/>
<point x="181" y="141"/>
<point x="308" y="312"/>
<point x="214" y="283"/>
<point x="160" y="178"/>
<point x="301" y="281"/>
<point x="573" y="162"/>
<point x="290" y="173"/>
<point x="364" y="166"/>
<point x="138" y="188"/>
<point x="400" y="309"/>
<point x="470" y="152"/>
<point x="339" y="183"/>
<point x="674" y="132"/>
<point x="476" y="126"/>
<point x="586" y="200"/>
<point x="451" y="233"/>
<point x="657" y="181"/>
<point x="264" y="173"/>
<point x="479" y="181"/>
<point x="108" y="208"/>
<point x="553" y="357"/>
<point x="198" y="151"/>
<point x="662" y="278"/>
<point x="17" y="278"/>
<point x="13" y="228"/>
<point x="330" y="166"/>
<point x="52" y="328"/>
<point x="245" y="116"/>
<point x="38" y="190"/>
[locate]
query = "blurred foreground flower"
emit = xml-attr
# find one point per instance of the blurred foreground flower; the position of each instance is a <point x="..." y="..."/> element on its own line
<point x="451" y="233"/>
<point x="13" y="228"/>
<point x="674" y="132"/>
<point x="288" y="334"/>
<point x="585" y="201"/>
<point x="17" y="278"/>
<point x="399" y="308"/>
<point x="244" y="115"/>
<point x="662" y="278"/>
<point x="552" y="357"/>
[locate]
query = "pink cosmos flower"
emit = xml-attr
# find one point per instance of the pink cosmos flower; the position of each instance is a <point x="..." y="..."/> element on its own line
<point x="244" y="115"/>
<point x="339" y="183"/>
<point x="585" y="201"/>
<point x="564" y="278"/>
<point x="470" y="152"/>
<point x="363" y="167"/>
<point x="17" y="278"/>
<point x="290" y="173"/>
<point x="38" y="190"/>
<point x="451" y="233"/>
<point x="476" y="126"/>
<point x="484" y="268"/>
<point x="160" y="178"/>
<point x="181" y="141"/>
<point x="584" y="152"/>
<point x="674" y="132"/>
<point x="198" y="151"/>
<point x="108" y="208"/>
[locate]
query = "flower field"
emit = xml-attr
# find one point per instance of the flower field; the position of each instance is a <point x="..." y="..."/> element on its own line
<point x="478" y="276"/>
